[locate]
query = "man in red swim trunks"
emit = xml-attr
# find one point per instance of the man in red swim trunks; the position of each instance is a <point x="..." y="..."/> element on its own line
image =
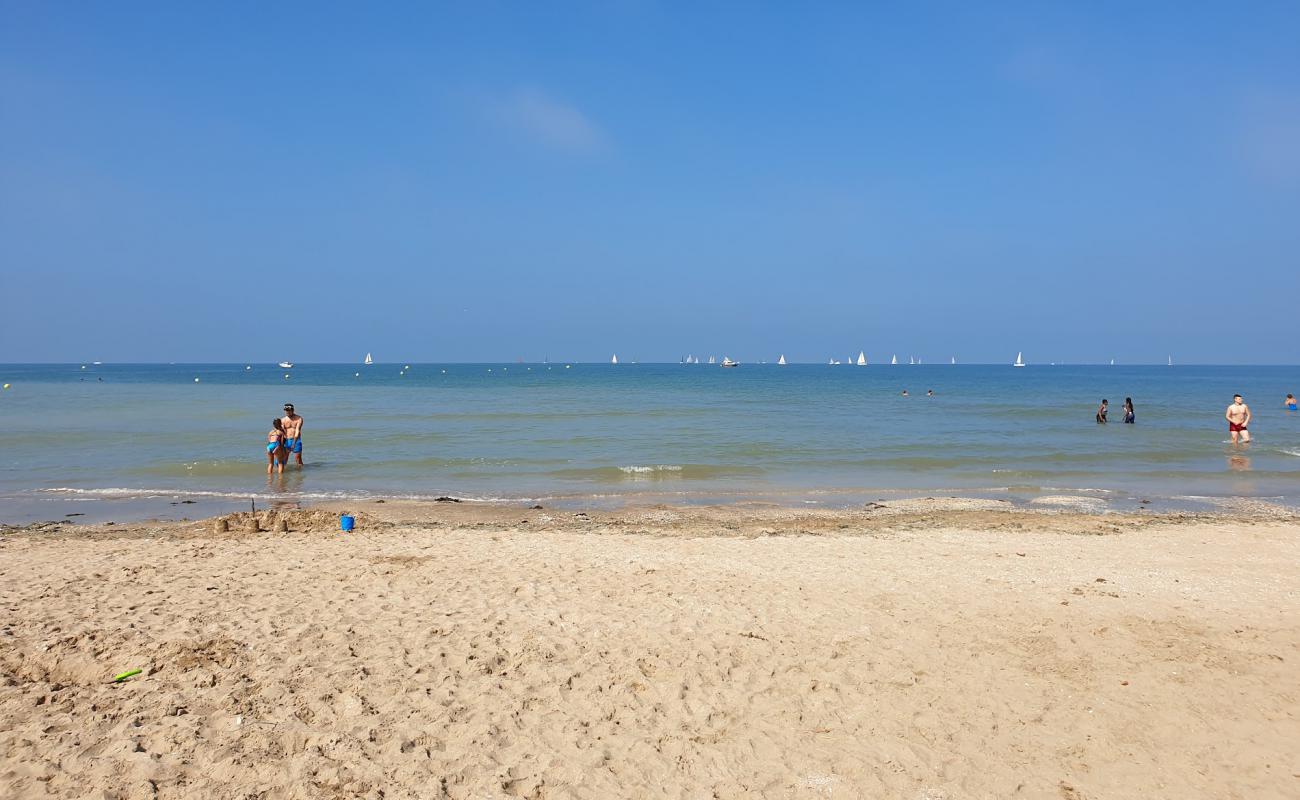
<point x="1238" y="416"/>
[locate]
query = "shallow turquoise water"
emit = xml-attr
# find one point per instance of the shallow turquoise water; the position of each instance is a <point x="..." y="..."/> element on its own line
<point x="603" y="433"/>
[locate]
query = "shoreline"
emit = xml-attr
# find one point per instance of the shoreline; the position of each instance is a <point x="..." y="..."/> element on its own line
<point x="130" y="506"/>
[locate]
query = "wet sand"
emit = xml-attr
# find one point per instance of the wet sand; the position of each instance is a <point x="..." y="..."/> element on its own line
<point x="934" y="648"/>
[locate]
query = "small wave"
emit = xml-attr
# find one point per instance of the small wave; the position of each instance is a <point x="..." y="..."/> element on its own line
<point x="634" y="470"/>
<point x="1295" y="453"/>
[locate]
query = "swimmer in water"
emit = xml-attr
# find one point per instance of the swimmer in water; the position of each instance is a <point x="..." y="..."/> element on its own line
<point x="1290" y="402"/>
<point x="904" y="393"/>
<point x="1129" y="416"/>
<point x="1102" y="411"/>
<point x="929" y="393"/>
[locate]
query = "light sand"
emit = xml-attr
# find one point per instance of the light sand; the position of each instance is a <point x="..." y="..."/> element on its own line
<point x="940" y="650"/>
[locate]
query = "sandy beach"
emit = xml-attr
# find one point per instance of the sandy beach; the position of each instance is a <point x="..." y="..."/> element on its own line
<point x="925" y="649"/>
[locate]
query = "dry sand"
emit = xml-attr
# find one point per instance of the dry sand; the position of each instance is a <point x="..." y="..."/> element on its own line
<point x="937" y="649"/>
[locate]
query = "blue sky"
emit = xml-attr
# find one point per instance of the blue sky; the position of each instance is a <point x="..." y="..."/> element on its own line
<point x="486" y="181"/>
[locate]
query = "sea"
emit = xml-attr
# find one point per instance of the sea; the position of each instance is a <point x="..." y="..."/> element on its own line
<point x="118" y="442"/>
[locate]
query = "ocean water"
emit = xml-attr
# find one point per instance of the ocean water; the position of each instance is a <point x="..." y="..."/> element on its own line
<point x="150" y="438"/>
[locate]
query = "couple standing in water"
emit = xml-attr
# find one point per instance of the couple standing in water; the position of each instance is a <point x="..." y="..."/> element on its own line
<point x="285" y="437"/>
<point x="1130" y="417"/>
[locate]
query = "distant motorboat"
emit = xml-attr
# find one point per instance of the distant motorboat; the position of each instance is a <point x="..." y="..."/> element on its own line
<point x="1020" y="360"/>
<point x="369" y="359"/>
<point x="286" y="365"/>
<point x="862" y="358"/>
<point x="781" y="361"/>
<point x="726" y="362"/>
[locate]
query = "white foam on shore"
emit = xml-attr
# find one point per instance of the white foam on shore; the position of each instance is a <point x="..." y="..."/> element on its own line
<point x="113" y="492"/>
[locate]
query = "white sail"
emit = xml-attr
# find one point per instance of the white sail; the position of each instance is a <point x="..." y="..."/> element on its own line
<point x="1171" y="361"/>
<point x="1020" y="360"/>
<point x="781" y="360"/>
<point x="614" y="360"/>
<point x="954" y="360"/>
<point x="369" y="359"/>
<point x="862" y="358"/>
<point x="894" y="360"/>
<point x="713" y="360"/>
<point x="911" y="360"/>
<point x="1112" y="362"/>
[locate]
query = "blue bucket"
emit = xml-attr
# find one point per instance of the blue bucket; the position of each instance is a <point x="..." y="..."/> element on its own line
<point x="346" y="523"/>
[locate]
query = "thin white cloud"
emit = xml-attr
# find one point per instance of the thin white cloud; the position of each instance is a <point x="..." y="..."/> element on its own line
<point x="551" y="122"/>
<point x="1269" y="136"/>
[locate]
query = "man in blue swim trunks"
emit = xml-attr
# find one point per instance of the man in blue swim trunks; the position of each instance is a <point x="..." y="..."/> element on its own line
<point x="292" y="424"/>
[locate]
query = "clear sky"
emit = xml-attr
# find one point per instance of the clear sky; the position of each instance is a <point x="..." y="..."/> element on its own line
<point x="486" y="181"/>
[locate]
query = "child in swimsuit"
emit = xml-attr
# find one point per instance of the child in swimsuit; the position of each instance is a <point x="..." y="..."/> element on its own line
<point x="275" y="452"/>
<point x="1101" y="413"/>
<point x="1290" y="402"/>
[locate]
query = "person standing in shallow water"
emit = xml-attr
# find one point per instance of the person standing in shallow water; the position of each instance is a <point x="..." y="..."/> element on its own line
<point x="292" y="424"/>
<point x="1290" y="402"/>
<point x="276" y="455"/>
<point x="1238" y="416"/>
<point x="1129" y="416"/>
<point x="1102" y="410"/>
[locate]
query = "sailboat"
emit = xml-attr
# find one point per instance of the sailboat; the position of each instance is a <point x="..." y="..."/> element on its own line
<point x="369" y="359"/>
<point x="862" y="358"/>
<point x="713" y="360"/>
<point x="1112" y="362"/>
<point x="1171" y="361"/>
<point x="954" y="361"/>
<point x="614" y="360"/>
<point x="911" y="361"/>
<point x="894" y="361"/>
<point x="1020" y="360"/>
<point x="781" y="361"/>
